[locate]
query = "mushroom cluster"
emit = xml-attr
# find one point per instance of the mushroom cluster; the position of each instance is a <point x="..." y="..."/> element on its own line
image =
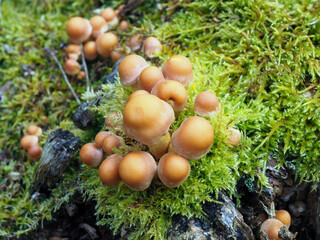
<point x="159" y="96"/>
<point x="31" y="141"/>
<point x="97" y="39"/>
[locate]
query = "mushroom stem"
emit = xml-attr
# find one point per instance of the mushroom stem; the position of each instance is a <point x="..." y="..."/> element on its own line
<point x="85" y="68"/>
<point x="65" y="77"/>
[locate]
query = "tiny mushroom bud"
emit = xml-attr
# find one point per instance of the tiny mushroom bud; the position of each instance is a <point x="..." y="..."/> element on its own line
<point x="90" y="50"/>
<point x="81" y="75"/>
<point x="137" y="169"/>
<point x="137" y="93"/>
<point x="178" y="68"/>
<point x="99" y="26"/>
<point x="28" y="141"/>
<point x="109" y="171"/>
<point x="72" y="67"/>
<point x="147" y="118"/>
<point x="34" y="130"/>
<point x="108" y="14"/>
<point x="124" y="25"/>
<point x="91" y="154"/>
<point x="172" y="92"/>
<point x="130" y="68"/>
<point x="194" y="138"/>
<point x="234" y="136"/>
<point x="206" y="102"/>
<point x="149" y="77"/>
<point x="111" y="141"/>
<point x="284" y="217"/>
<point x="151" y="46"/>
<point x="115" y="56"/>
<point x="34" y="152"/>
<point x="271" y="228"/>
<point x="73" y="51"/>
<point x="173" y="170"/>
<point x="135" y="42"/>
<point x="78" y="29"/>
<point x="105" y="43"/>
<point x="100" y="136"/>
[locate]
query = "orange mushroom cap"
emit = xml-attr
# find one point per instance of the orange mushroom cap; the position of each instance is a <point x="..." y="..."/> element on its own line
<point x="234" y="136"/>
<point x="28" y="141"/>
<point x="147" y="118"/>
<point x="72" y="67"/>
<point x="271" y="228"/>
<point x="284" y="217"/>
<point x="91" y="154"/>
<point x="73" y="51"/>
<point x="178" y="68"/>
<point x="99" y="26"/>
<point x="206" y="102"/>
<point x="135" y="42"/>
<point x="172" y="92"/>
<point x="137" y="93"/>
<point x="194" y="138"/>
<point x="100" y="136"/>
<point x="151" y="47"/>
<point x="115" y="56"/>
<point x="124" y="25"/>
<point x="105" y="43"/>
<point x="130" y="68"/>
<point x="34" y="152"/>
<point x="173" y="170"/>
<point x="109" y="171"/>
<point x="34" y="130"/>
<point x="149" y="77"/>
<point x="90" y="50"/>
<point x="111" y="141"/>
<point x="78" y="29"/>
<point x="137" y="169"/>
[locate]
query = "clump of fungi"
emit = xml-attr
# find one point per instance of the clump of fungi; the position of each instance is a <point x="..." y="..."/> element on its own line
<point x="158" y="97"/>
<point x="31" y="141"/>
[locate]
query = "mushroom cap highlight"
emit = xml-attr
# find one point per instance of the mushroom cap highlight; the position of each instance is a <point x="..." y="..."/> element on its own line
<point x="109" y="171"/>
<point x="151" y="46"/>
<point x="105" y="43"/>
<point x="99" y="26"/>
<point x="108" y="14"/>
<point x="130" y="68"/>
<point x="206" y="102"/>
<point x="137" y="169"/>
<point x="149" y="77"/>
<point x="78" y="29"/>
<point x="91" y="154"/>
<point x="271" y="227"/>
<point x="178" y="68"/>
<point x="173" y="169"/>
<point x="193" y="138"/>
<point x="172" y="92"/>
<point x="147" y="118"/>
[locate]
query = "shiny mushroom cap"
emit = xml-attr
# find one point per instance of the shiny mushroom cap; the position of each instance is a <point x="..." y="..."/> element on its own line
<point x="234" y="136"/>
<point x="147" y="118"/>
<point x="108" y="14"/>
<point x="71" y="67"/>
<point x="90" y="50"/>
<point x="178" y="68"/>
<point x="172" y="92"/>
<point x="78" y="29"/>
<point x="99" y="26"/>
<point x="34" y="130"/>
<point x="151" y="47"/>
<point x="73" y="51"/>
<point x="137" y="169"/>
<point x="124" y="25"/>
<point x="130" y="68"/>
<point x="91" y="154"/>
<point x="173" y="170"/>
<point x="271" y="228"/>
<point x="137" y="93"/>
<point x="100" y="136"/>
<point x="105" y="43"/>
<point x="283" y="216"/>
<point x="110" y="142"/>
<point x="28" y="141"/>
<point x="34" y="152"/>
<point x="206" y="102"/>
<point x="109" y="171"/>
<point x="194" y="138"/>
<point x="149" y="77"/>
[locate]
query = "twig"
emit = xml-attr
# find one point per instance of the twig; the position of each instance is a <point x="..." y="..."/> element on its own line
<point x="65" y="77"/>
<point x="85" y="68"/>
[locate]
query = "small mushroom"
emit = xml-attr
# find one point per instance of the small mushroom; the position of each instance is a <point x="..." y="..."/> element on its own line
<point x="135" y="42"/>
<point x="234" y="136"/>
<point x="124" y="25"/>
<point x="147" y="118"/>
<point x="206" y="102"/>
<point x="271" y="228"/>
<point x="91" y="154"/>
<point x="137" y="169"/>
<point x="130" y="68"/>
<point x="149" y="77"/>
<point x="105" y="43"/>
<point x="28" y="141"/>
<point x="72" y="67"/>
<point x="78" y="29"/>
<point x="151" y="47"/>
<point x="172" y="92"/>
<point x="178" y="68"/>
<point x="109" y="171"/>
<point x="34" y="152"/>
<point x="115" y="56"/>
<point x="110" y="16"/>
<point x="194" y="138"/>
<point x="34" y="130"/>
<point x="90" y="50"/>
<point x="73" y="51"/>
<point x="99" y="26"/>
<point x="173" y="170"/>
<point x="283" y="216"/>
<point x="111" y="141"/>
<point x="100" y="136"/>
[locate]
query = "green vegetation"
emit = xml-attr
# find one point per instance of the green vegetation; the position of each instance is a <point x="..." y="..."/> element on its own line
<point x="261" y="58"/>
